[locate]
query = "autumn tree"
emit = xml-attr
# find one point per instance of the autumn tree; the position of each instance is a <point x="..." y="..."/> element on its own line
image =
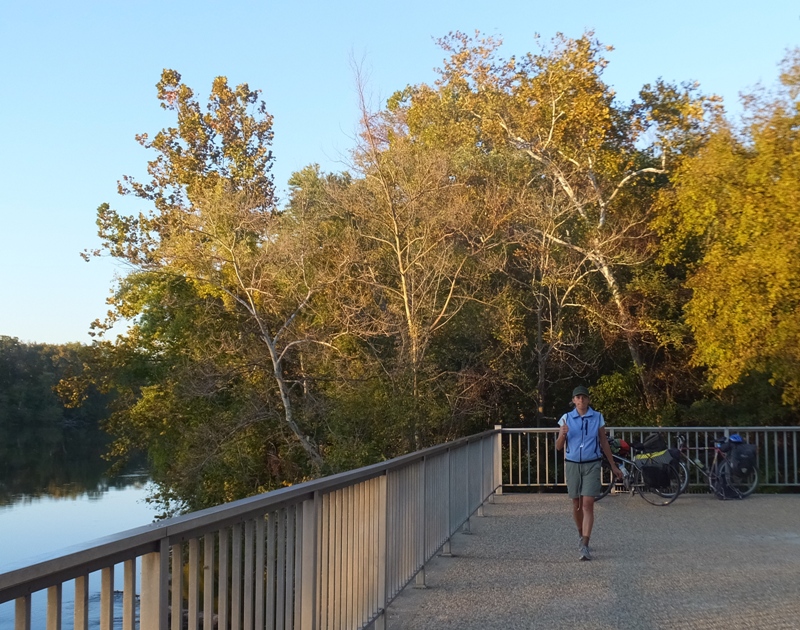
<point x="581" y="146"/>
<point x="502" y="231"/>
<point x="731" y="223"/>
<point x="221" y="289"/>
<point x="561" y="302"/>
<point x="418" y="235"/>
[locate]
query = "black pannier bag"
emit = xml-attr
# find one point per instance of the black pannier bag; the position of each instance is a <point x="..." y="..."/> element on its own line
<point x="656" y="476"/>
<point x="651" y="444"/>
<point x="655" y="468"/>
<point x="742" y="459"/>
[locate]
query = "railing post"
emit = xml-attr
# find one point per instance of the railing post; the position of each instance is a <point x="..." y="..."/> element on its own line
<point x="465" y="529"/>
<point x="193" y="599"/>
<point x="176" y="586"/>
<point x="22" y="613"/>
<point x="307" y="579"/>
<point x="81" y="616"/>
<point x="153" y="609"/>
<point x="446" y="552"/>
<point x="450" y="524"/>
<point x="383" y="565"/>
<point x="209" y="572"/>
<point x="107" y="598"/>
<point x="481" y="477"/>
<point x="498" y="460"/>
<point x="129" y="595"/>
<point x="419" y="579"/>
<point x="248" y="611"/>
<point x="54" y="607"/>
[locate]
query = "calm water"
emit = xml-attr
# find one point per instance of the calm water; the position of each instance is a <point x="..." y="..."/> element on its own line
<point x="30" y="527"/>
<point x="33" y="526"/>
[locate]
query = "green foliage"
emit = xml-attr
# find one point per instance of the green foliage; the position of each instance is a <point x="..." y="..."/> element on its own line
<point x="618" y="396"/>
<point x="504" y="232"/>
<point x="753" y="401"/>
<point x="43" y="445"/>
<point x="219" y="299"/>
<point x="735" y="203"/>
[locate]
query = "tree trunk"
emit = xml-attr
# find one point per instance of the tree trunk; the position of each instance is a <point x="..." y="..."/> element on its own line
<point x="541" y="358"/>
<point x="627" y="326"/>
<point x="277" y="367"/>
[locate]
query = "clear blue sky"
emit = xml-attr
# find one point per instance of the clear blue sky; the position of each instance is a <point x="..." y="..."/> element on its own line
<point x="78" y="83"/>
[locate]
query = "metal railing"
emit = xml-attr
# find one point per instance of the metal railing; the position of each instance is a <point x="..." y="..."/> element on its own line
<point x="530" y="459"/>
<point x="329" y="553"/>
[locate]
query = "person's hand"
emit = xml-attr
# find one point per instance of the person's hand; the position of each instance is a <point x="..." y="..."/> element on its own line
<point x="616" y="471"/>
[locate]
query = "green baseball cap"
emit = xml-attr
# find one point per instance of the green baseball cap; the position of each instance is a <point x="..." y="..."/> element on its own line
<point x="580" y="390"/>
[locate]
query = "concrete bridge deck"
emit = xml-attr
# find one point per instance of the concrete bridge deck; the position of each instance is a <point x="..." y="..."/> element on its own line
<point x="698" y="563"/>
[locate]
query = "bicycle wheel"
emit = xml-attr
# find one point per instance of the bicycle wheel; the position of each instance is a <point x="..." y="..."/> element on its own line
<point x="683" y="476"/>
<point x="659" y="496"/>
<point x="743" y="485"/>
<point x="683" y="473"/>
<point x="716" y="482"/>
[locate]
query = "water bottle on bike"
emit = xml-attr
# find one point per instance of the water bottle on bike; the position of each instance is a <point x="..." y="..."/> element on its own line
<point x="626" y="478"/>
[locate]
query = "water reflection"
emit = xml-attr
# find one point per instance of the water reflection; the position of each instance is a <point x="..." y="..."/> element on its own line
<point x="55" y="491"/>
<point x="55" y="494"/>
<point x="90" y="489"/>
<point x="61" y="473"/>
<point x="32" y="527"/>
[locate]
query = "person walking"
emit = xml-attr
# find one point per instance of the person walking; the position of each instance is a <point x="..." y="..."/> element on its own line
<point x="583" y="438"/>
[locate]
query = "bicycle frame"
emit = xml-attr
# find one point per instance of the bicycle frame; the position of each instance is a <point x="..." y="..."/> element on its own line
<point x="708" y="471"/>
<point x="633" y="482"/>
<point x="720" y="480"/>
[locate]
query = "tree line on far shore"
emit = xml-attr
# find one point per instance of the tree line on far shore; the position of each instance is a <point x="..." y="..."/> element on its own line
<point x="45" y="447"/>
<point x="501" y="235"/>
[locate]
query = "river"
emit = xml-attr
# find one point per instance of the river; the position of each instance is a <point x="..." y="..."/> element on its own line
<point x="61" y="516"/>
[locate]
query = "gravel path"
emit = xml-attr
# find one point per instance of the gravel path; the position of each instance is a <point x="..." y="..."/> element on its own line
<point x="698" y="563"/>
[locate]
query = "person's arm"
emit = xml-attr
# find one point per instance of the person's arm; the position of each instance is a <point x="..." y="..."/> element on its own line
<point x="601" y="436"/>
<point x="562" y="433"/>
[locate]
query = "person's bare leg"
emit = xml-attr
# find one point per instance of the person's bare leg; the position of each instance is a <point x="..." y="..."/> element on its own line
<point x="587" y="522"/>
<point x="577" y="514"/>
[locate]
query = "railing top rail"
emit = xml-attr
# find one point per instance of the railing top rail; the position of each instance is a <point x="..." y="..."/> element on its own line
<point x="672" y="429"/>
<point x="652" y="428"/>
<point x="73" y="561"/>
<point x="76" y="560"/>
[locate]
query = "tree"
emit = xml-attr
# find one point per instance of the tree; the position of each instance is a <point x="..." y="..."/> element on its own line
<point x="560" y="301"/>
<point x="43" y="445"/>
<point x="735" y="203"/>
<point x="582" y="147"/>
<point x="417" y="234"/>
<point x="220" y="296"/>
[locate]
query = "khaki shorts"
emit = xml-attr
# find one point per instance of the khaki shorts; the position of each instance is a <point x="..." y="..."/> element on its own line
<point x="583" y="479"/>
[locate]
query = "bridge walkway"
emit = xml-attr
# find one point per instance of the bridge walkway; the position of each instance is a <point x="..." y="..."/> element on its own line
<point x="698" y="563"/>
